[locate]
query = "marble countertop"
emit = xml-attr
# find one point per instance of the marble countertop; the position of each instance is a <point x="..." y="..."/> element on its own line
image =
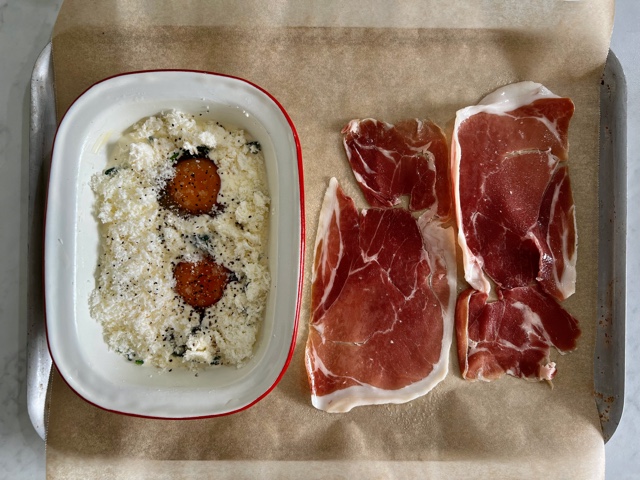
<point x="25" y="28"/>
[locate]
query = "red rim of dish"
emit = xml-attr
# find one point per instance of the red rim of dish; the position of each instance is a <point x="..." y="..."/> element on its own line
<point x="301" y="250"/>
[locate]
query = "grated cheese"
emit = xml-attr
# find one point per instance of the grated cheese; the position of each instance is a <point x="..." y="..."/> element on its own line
<point x="142" y="317"/>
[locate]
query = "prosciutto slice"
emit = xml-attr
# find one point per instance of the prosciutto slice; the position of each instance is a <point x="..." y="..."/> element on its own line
<point x="410" y="158"/>
<point x="382" y="305"/>
<point x="511" y="335"/>
<point x="514" y="205"/>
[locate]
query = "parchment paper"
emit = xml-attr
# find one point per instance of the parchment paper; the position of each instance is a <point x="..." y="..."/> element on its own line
<point x="329" y="62"/>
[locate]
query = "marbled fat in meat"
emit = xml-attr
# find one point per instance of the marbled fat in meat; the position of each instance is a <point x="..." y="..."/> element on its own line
<point x="557" y="222"/>
<point x="382" y="303"/>
<point x="511" y="335"/>
<point x="410" y="158"/>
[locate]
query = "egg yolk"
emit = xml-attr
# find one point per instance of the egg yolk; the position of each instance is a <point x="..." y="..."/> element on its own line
<point x="194" y="188"/>
<point x="202" y="283"/>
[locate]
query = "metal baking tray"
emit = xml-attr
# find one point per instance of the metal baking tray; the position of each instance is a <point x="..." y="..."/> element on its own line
<point x="42" y="131"/>
<point x="608" y="359"/>
<point x="609" y="355"/>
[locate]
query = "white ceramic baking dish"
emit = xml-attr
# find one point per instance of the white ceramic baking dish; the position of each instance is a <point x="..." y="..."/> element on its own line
<point x="94" y="121"/>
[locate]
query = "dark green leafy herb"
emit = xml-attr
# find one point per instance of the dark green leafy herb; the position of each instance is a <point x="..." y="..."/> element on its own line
<point x="110" y="171"/>
<point x="254" y="147"/>
<point x="175" y="156"/>
<point x="139" y="362"/>
<point x="179" y="351"/>
<point x="151" y="138"/>
<point x="203" y="150"/>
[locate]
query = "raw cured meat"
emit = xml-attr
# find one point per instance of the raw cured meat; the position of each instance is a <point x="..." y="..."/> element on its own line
<point x="516" y="219"/>
<point x="514" y="205"/>
<point x="511" y="335"/>
<point x="382" y="305"/>
<point x="410" y="158"/>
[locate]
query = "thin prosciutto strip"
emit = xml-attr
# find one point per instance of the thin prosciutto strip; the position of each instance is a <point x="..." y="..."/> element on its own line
<point x="511" y="335"/>
<point x="382" y="300"/>
<point x="410" y="158"/>
<point x="514" y="205"/>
